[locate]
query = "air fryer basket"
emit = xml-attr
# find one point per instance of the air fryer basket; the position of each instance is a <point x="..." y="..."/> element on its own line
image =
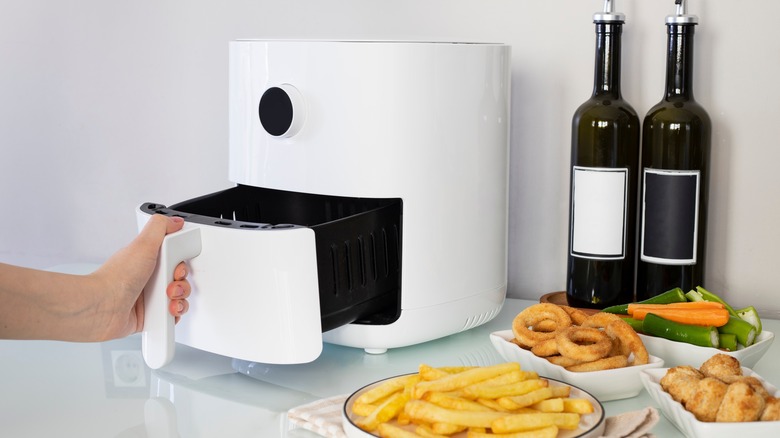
<point x="357" y="243"/>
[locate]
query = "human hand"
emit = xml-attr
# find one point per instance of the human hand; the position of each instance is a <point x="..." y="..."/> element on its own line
<point x="126" y="273"/>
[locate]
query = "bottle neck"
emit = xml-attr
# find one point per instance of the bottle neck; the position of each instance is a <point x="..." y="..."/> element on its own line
<point x="679" y="62"/>
<point x="606" y="83"/>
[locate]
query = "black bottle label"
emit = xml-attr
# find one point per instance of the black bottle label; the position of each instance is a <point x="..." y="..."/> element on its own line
<point x="670" y="217"/>
<point x="599" y="212"/>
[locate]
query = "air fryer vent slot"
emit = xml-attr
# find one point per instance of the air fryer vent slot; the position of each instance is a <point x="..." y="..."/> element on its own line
<point x="476" y="320"/>
<point x="363" y="261"/>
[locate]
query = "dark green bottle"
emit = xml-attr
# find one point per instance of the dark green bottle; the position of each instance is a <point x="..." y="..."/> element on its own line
<point x="675" y="167"/>
<point x="604" y="181"/>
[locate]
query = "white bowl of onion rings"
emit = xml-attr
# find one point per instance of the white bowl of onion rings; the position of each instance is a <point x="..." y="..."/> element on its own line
<point x="680" y="353"/>
<point x="606" y="385"/>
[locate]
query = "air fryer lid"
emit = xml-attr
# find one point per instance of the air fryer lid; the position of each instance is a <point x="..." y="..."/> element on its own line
<point x="357" y="243"/>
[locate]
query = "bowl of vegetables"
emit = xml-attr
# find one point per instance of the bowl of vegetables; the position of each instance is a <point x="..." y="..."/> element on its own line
<point x="676" y="353"/>
<point x="689" y="328"/>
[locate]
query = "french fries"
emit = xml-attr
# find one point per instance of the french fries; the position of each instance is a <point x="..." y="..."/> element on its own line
<point x="387" y="388"/>
<point x="460" y="380"/>
<point x="388" y="410"/>
<point x="479" y="402"/>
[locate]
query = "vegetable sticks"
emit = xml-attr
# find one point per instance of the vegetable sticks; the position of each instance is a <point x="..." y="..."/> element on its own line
<point x="701" y="317"/>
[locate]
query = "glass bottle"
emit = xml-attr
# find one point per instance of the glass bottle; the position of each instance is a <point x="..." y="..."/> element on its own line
<point x="604" y="181"/>
<point x="675" y="168"/>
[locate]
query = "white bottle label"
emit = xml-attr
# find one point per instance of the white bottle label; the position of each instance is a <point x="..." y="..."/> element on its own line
<point x="670" y="216"/>
<point x="599" y="212"/>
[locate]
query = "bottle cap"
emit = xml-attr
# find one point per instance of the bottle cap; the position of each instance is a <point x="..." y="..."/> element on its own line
<point x="609" y="16"/>
<point x="682" y="16"/>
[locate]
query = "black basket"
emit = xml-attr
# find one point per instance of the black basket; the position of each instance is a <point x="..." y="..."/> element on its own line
<point x="358" y="243"/>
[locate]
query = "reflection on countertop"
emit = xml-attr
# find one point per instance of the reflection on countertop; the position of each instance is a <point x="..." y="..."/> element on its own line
<point x="105" y="390"/>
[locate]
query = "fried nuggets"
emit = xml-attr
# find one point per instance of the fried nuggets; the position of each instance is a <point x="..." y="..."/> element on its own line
<point x="722" y="367"/>
<point x="718" y="392"/>
<point x="681" y="383"/>
<point x="740" y="403"/>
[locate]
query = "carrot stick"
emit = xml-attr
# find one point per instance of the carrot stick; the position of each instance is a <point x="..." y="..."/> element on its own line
<point x="702" y="317"/>
<point x="687" y="305"/>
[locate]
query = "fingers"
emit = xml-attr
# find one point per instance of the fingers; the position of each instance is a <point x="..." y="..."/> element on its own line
<point x="178" y="291"/>
<point x="180" y="273"/>
<point x="178" y="308"/>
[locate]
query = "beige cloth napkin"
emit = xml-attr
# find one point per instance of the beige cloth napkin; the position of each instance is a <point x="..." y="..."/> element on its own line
<point x="635" y="424"/>
<point x="321" y="416"/>
<point x="324" y="417"/>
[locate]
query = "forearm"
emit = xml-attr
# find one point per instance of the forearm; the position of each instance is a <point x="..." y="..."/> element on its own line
<point x="38" y="304"/>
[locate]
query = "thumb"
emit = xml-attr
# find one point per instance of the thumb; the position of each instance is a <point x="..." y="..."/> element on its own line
<point x="158" y="226"/>
<point x="146" y="245"/>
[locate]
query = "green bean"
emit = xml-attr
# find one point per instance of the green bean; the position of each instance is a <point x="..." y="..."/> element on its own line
<point x="728" y="341"/>
<point x="675" y="295"/>
<point x="654" y="325"/>
<point x="743" y="330"/>
<point x="750" y="315"/>
<point x="702" y="294"/>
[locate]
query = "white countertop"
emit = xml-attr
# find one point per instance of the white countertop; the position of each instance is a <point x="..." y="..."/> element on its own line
<point x="105" y="390"/>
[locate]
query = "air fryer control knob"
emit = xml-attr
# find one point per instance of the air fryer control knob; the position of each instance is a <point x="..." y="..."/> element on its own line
<point x="281" y="111"/>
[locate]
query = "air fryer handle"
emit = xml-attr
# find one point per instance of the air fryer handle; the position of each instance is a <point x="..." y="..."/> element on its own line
<point x="157" y="338"/>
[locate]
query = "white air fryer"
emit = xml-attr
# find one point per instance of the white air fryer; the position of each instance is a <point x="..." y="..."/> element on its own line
<point x="370" y="206"/>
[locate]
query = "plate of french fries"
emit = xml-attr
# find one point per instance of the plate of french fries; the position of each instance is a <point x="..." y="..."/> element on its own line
<point x="606" y="385"/>
<point x="472" y="402"/>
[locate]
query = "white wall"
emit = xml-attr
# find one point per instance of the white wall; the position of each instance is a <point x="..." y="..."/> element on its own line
<point x="107" y="104"/>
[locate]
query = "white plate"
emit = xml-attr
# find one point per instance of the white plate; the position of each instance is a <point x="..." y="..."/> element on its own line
<point x="680" y="353"/>
<point x="605" y="385"/>
<point x="687" y="423"/>
<point x="591" y="425"/>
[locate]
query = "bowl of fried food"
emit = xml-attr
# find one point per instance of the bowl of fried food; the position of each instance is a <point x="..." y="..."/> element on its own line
<point x="720" y="398"/>
<point x="599" y="353"/>
<point x="478" y="402"/>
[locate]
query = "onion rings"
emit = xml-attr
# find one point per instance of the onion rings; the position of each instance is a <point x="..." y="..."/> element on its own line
<point x="546" y="348"/>
<point x="578" y="341"/>
<point x="583" y="343"/>
<point x="630" y="342"/>
<point x="606" y="363"/>
<point x="600" y="320"/>
<point x="562" y="361"/>
<point x="577" y="315"/>
<point x="547" y="325"/>
<point x="525" y="321"/>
